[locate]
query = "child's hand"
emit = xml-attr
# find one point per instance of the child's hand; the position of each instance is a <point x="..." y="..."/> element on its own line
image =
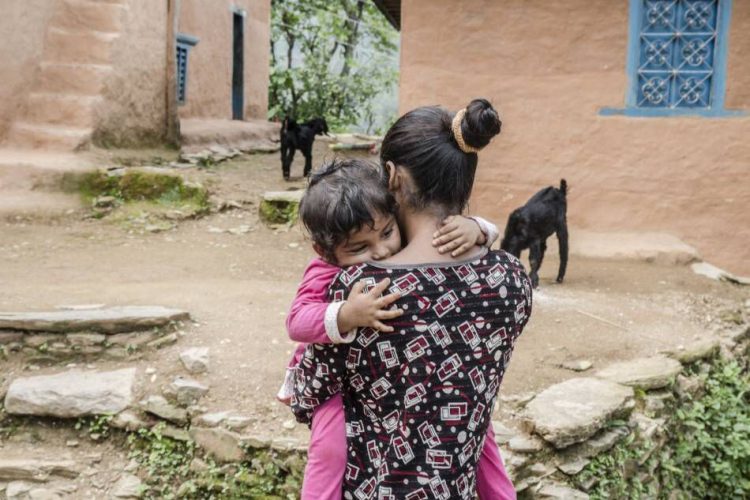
<point x="457" y="235"/>
<point x="368" y="309"/>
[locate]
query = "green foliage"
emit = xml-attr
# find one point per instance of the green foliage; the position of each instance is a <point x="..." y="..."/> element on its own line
<point x="166" y="462"/>
<point x="329" y="59"/>
<point x="707" y="453"/>
<point x="278" y="212"/>
<point x="96" y="426"/>
<point x="711" y="438"/>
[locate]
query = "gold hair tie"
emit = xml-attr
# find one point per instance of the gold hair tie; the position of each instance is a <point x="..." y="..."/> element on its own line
<point x="458" y="135"/>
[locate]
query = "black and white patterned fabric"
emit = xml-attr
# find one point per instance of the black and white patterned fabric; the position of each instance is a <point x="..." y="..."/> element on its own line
<point x="418" y="401"/>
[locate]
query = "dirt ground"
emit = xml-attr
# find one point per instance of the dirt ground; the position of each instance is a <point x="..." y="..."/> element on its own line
<point x="238" y="289"/>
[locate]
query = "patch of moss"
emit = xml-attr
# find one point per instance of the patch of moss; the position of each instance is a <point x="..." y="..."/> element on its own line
<point x="278" y="212"/>
<point x="139" y="186"/>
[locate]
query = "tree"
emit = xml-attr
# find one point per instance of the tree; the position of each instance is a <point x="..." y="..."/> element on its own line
<point x="329" y="58"/>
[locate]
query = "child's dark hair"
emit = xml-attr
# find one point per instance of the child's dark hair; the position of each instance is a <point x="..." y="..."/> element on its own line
<point x="422" y="141"/>
<point x="343" y="196"/>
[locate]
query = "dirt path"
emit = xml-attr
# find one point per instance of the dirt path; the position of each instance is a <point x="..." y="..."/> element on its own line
<point x="238" y="288"/>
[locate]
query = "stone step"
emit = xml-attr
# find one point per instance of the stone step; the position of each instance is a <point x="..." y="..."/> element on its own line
<point x="64" y="46"/>
<point x="33" y="135"/>
<point x="24" y="169"/>
<point x="72" y="78"/>
<point x="88" y="15"/>
<point x="108" y="320"/>
<point x="71" y="394"/>
<point x="37" y="469"/>
<point x="61" y="109"/>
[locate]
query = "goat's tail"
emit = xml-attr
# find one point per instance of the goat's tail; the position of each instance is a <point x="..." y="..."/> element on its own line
<point x="563" y="187"/>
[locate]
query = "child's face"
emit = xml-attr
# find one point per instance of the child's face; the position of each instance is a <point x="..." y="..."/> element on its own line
<point x="370" y="243"/>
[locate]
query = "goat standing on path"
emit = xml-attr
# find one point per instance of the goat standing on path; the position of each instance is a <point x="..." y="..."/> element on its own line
<point x="299" y="136"/>
<point x="530" y="225"/>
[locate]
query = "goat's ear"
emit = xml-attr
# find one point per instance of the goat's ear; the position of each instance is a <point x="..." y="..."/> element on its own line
<point x="394" y="179"/>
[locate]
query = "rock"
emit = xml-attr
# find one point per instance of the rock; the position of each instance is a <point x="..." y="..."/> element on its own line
<point x="237" y="422"/>
<point x="574" y="410"/>
<point x="646" y="373"/>
<point x="104" y="202"/>
<point x="558" y="491"/>
<point x="573" y="467"/>
<point x="718" y="274"/>
<point x="160" y="342"/>
<point x="503" y="434"/>
<point x="525" y="444"/>
<point x="36" y="469"/>
<point x="539" y="469"/>
<point x="648" y="427"/>
<point x="289" y="424"/>
<point x="657" y="402"/>
<point x="157" y="405"/>
<point x="195" y="359"/>
<point x="109" y="320"/>
<point x="117" y="353"/>
<point x="10" y="337"/>
<point x="176" y="433"/>
<point x="19" y="490"/>
<point x="128" y="486"/>
<point x="71" y="394"/>
<point x="85" y="339"/>
<point x="129" y="421"/>
<point x="134" y="339"/>
<point x="198" y="465"/>
<point x="696" y="351"/>
<point x="577" y="366"/>
<point x="187" y="391"/>
<point x="221" y="444"/>
<point x="602" y="442"/>
<point x="40" y="339"/>
<point x="689" y="386"/>
<point x="72" y="443"/>
<point x="211" y="419"/>
<point x="284" y="444"/>
<point x="280" y="207"/>
<point x="257" y="442"/>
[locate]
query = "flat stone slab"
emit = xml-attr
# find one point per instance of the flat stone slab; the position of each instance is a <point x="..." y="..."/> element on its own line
<point x="21" y="469"/>
<point x="696" y="351"/>
<point x="646" y="373"/>
<point x="71" y="394"/>
<point x="574" y="410"/>
<point x="109" y="320"/>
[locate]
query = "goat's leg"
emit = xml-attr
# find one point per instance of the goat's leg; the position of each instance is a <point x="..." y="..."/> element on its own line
<point x="307" y="152"/>
<point x="562" y="240"/>
<point x="535" y="259"/>
<point x="284" y="165"/>
<point x="288" y="163"/>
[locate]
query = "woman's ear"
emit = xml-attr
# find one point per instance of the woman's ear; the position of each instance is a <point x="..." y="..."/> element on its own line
<point x="394" y="179"/>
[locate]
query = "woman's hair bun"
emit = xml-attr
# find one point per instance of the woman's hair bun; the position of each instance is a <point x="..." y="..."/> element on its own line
<point x="480" y="124"/>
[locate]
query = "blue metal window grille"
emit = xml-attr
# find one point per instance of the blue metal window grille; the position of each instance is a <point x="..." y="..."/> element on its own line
<point x="677" y="58"/>
<point x="183" y="45"/>
<point x="677" y="45"/>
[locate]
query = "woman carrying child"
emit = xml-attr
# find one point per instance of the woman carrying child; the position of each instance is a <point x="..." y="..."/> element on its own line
<point x="430" y="161"/>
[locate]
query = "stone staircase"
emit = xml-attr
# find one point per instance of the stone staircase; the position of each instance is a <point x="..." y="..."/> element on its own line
<point x="59" y="111"/>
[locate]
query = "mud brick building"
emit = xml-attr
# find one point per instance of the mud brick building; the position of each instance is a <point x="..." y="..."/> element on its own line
<point x="123" y="72"/>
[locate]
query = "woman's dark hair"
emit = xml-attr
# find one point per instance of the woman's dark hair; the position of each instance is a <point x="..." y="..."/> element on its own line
<point x="422" y="142"/>
<point x="343" y="196"/>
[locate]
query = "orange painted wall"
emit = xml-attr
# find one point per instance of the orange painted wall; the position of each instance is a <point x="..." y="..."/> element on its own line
<point x="549" y="67"/>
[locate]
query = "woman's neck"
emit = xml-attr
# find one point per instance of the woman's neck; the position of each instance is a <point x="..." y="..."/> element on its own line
<point x="418" y="229"/>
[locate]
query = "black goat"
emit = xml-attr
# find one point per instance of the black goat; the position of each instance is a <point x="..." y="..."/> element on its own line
<point x="531" y="225"/>
<point x="299" y="136"/>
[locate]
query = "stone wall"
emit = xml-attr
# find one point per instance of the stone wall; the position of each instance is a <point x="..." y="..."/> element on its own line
<point x="549" y="67"/>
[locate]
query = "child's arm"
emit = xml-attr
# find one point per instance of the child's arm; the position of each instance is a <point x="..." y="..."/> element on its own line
<point x="458" y="234"/>
<point x="306" y="321"/>
<point x="312" y="319"/>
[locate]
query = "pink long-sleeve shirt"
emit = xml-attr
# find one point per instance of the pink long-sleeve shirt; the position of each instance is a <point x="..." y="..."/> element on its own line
<point x="306" y="319"/>
<point x="312" y="319"/>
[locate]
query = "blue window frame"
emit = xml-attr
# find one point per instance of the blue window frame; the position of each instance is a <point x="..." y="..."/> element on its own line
<point x="677" y="58"/>
<point x="183" y="46"/>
